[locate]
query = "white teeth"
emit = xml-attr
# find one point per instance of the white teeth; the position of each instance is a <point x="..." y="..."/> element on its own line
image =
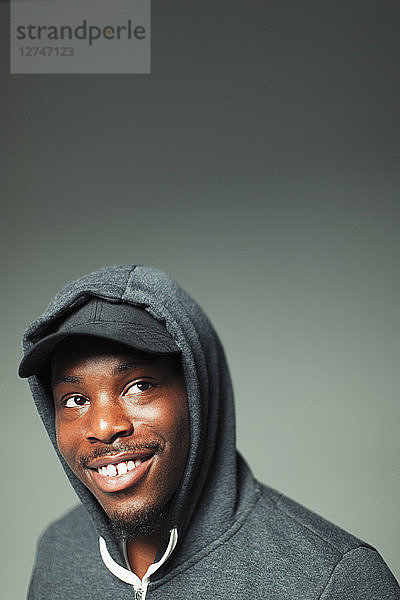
<point x="122" y="468"/>
<point x="111" y="470"/>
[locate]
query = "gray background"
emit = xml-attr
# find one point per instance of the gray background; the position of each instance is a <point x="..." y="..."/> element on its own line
<point x="258" y="165"/>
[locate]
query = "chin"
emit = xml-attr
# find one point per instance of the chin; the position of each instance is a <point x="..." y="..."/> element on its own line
<point x="128" y="524"/>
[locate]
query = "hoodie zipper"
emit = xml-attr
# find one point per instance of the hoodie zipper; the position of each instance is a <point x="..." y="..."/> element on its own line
<point x="139" y="586"/>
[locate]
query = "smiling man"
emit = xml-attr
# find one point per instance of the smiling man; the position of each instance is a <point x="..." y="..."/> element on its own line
<point x="122" y="427"/>
<point x="132" y="385"/>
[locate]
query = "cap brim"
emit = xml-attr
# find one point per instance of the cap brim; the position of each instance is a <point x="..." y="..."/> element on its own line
<point x="137" y="338"/>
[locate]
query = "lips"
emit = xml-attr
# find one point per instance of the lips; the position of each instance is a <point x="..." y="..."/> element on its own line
<point x="119" y="472"/>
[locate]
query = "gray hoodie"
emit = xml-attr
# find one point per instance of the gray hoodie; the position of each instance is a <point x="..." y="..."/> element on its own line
<point x="233" y="536"/>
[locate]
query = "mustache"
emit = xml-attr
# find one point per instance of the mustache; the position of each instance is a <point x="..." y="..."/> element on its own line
<point x="154" y="447"/>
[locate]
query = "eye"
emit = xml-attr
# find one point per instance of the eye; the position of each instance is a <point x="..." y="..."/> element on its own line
<point x="138" y="388"/>
<point x="75" y="401"/>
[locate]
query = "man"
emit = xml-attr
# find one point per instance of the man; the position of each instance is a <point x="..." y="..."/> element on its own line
<point x="131" y="382"/>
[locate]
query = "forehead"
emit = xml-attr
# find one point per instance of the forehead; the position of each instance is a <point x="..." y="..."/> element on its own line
<point x="79" y="350"/>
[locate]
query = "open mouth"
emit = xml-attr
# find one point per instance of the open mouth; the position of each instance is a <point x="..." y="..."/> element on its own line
<point x="121" y="468"/>
<point x="117" y="473"/>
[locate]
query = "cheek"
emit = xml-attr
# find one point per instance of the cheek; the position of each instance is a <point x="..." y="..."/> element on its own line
<point x="65" y="442"/>
<point x="170" y="419"/>
<point x="179" y="429"/>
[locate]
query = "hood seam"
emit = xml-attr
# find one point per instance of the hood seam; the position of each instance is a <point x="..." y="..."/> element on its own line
<point x="128" y="283"/>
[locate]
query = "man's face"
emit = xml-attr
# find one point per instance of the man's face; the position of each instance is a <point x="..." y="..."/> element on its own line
<point x="122" y="423"/>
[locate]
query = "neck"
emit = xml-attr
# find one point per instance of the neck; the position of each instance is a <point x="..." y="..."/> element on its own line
<point x="141" y="552"/>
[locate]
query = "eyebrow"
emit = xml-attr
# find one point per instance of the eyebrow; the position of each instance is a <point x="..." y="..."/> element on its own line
<point x="66" y="379"/>
<point x="130" y="365"/>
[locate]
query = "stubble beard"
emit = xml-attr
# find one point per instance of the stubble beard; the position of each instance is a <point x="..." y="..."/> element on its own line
<point x="131" y="524"/>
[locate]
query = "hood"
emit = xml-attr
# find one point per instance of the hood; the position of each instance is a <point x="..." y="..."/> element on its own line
<point x="207" y="501"/>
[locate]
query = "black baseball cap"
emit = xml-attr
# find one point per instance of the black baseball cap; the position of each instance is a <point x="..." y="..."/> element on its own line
<point x="119" y="322"/>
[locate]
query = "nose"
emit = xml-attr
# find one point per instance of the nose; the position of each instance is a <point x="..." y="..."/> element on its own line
<point x="108" y="422"/>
